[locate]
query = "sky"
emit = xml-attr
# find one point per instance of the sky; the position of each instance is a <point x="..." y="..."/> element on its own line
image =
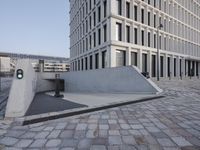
<point x="38" y="27"/>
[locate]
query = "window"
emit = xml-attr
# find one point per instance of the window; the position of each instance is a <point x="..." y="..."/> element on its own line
<point x="144" y="62"/>
<point x="149" y="39"/>
<point x="86" y="63"/>
<point x="105" y="7"/>
<point x="175" y="67"/>
<point x="94" y="37"/>
<point x="119" y="7"/>
<point x="134" y="58"/>
<point x="142" y="36"/>
<point x="142" y="15"/>
<point x="90" y="42"/>
<point x="103" y="59"/>
<point x="154" y="21"/>
<point x="99" y="36"/>
<point x="90" y="20"/>
<point x="82" y="64"/>
<point x="154" y="3"/>
<point x="153" y="66"/>
<point x="135" y="13"/>
<point x="91" y="62"/>
<point x="94" y="16"/>
<point x="105" y="32"/>
<point x="149" y="1"/>
<point x="154" y="40"/>
<point x="118" y="31"/>
<point x="135" y="35"/>
<point x="120" y="58"/>
<point x="128" y="34"/>
<point x="86" y="26"/>
<point x="90" y="4"/>
<point x="128" y="9"/>
<point x="149" y="18"/>
<point x="96" y="61"/>
<point x="99" y="13"/>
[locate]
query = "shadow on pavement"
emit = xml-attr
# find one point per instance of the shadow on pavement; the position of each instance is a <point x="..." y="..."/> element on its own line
<point x="43" y="103"/>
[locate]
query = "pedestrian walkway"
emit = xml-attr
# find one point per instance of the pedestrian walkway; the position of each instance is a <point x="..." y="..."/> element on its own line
<point x="170" y="123"/>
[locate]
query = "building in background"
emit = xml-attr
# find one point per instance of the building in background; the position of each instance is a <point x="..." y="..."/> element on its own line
<point x="111" y="33"/>
<point x="40" y="63"/>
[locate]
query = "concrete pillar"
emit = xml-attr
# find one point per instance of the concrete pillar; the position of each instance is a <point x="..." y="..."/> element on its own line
<point x="100" y="59"/>
<point x="165" y="66"/>
<point x="128" y="56"/>
<point x="194" y="68"/>
<point x="178" y="66"/>
<point x="149" y="62"/>
<point x="187" y="71"/>
<point x="183" y="67"/>
<point x="111" y="56"/>
<point x="172" y="66"/>
<point x="139" y="55"/>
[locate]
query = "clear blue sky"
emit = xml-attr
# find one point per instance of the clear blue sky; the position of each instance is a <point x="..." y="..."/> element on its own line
<point x="35" y="27"/>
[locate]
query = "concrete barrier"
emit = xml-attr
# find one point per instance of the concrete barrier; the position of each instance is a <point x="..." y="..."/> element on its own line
<point x="110" y="80"/>
<point x="22" y="90"/>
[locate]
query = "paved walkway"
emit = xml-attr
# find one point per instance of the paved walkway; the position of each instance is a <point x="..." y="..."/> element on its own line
<point x="170" y="123"/>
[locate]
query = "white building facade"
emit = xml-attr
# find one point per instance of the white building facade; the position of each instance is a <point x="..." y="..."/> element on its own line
<point x="111" y="33"/>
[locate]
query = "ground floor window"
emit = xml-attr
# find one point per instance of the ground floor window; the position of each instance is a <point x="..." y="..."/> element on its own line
<point x="96" y="61"/>
<point x="144" y="62"/>
<point x="134" y="58"/>
<point x="168" y="67"/>
<point x="103" y="59"/>
<point x="91" y="62"/>
<point x="120" y="58"/>
<point x="161" y="66"/>
<point x="174" y="67"/>
<point x="153" y="66"/>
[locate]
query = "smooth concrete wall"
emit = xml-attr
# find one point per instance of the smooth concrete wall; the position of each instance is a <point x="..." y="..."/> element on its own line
<point x="22" y="90"/>
<point x="110" y="80"/>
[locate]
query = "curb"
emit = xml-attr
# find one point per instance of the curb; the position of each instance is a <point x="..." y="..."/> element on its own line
<point x="57" y="115"/>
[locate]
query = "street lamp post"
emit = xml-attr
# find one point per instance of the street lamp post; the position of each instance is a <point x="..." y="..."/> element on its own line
<point x="158" y="52"/>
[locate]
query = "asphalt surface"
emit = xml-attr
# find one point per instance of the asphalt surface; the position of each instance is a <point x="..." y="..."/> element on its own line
<point x="43" y="103"/>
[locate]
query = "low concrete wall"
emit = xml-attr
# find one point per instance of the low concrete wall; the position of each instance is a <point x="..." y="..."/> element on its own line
<point x="22" y="91"/>
<point x="110" y="80"/>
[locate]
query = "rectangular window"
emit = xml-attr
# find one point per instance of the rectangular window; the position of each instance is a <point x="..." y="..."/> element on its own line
<point x="149" y="18"/>
<point x="142" y="36"/>
<point x="105" y="32"/>
<point x="94" y="37"/>
<point x="99" y="36"/>
<point x="82" y="64"/>
<point x="119" y="7"/>
<point x="144" y="62"/>
<point x="118" y="31"/>
<point x="86" y="63"/>
<point x="86" y="26"/>
<point x="154" y="3"/>
<point x="154" y="40"/>
<point x="175" y="67"/>
<point x="142" y="15"/>
<point x="153" y="66"/>
<point x="135" y="35"/>
<point x="149" y="1"/>
<point x="128" y="34"/>
<point x="91" y="62"/>
<point x="90" y="20"/>
<point x="120" y="58"/>
<point x="161" y="66"/>
<point x="90" y="4"/>
<point x="149" y="39"/>
<point x="128" y="9"/>
<point x="134" y="58"/>
<point x="103" y="59"/>
<point x="96" y="61"/>
<point x="99" y="13"/>
<point x="90" y="42"/>
<point x="94" y="16"/>
<point x="154" y="21"/>
<point x="105" y="8"/>
<point x="135" y="13"/>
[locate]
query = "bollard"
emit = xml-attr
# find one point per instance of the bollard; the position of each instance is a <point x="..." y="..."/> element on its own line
<point x="57" y="86"/>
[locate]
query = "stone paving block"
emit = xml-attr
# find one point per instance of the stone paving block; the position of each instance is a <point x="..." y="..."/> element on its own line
<point x="129" y="140"/>
<point x="103" y="133"/>
<point x="135" y="132"/>
<point x="100" y="141"/>
<point x="41" y="135"/>
<point x="54" y="134"/>
<point x="113" y="147"/>
<point x="165" y="142"/>
<point x="15" y="133"/>
<point x="79" y="134"/>
<point x="24" y="143"/>
<point x="114" y="140"/>
<point x="29" y="135"/>
<point x="38" y="143"/>
<point x="113" y="132"/>
<point x="103" y="126"/>
<point x="61" y="126"/>
<point x="92" y="126"/>
<point x="98" y="147"/>
<point x="69" y="143"/>
<point x="81" y="127"/>
<point x="112" y="121"/>
<point x="48" y="128"/>
<point x="180" y="141"/>
<point x="137" y="126"/>
<point x="91" y="134"/>
<point x="67" y="148"/>
<point x="84" y="144"/>
<point x="153" y="129"/>
<point x="8" y="141"/>
<point x="53" y="143"/>
<point x="71" y="126"/>
<point x="67" y="134"/>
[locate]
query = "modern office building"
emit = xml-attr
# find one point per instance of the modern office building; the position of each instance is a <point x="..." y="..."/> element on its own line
<point x="111" y="33"/>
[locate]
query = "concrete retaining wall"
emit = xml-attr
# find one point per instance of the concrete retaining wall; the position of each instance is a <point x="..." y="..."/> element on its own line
<point x="109" y="80"/>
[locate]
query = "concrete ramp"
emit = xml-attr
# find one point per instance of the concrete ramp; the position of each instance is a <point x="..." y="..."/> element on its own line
<point x="127" y="79"/>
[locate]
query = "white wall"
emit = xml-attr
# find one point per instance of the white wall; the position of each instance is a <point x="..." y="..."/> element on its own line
<point x="110" y="80"/>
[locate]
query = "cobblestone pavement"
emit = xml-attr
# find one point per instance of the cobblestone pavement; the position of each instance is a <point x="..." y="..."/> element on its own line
<point x="170" y="123"/>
